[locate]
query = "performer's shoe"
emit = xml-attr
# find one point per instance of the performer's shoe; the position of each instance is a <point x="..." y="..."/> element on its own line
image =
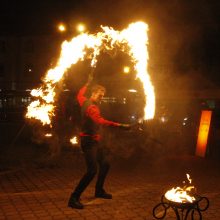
<point x="75" y="203"/>
<point x="102" y="194"/>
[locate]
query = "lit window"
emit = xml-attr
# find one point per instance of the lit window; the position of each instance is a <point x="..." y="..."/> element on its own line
<point x="25" y="100"/>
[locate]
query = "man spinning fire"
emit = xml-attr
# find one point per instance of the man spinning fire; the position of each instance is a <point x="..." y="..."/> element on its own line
<point x="95" y="156"/>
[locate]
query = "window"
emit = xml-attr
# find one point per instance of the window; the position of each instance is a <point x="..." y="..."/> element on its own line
<point x="25" y="100"/>
<point x="2" y="70"/>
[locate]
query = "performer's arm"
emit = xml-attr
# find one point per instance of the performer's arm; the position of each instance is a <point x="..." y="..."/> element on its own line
<point x="94" y="113"/>
<point x="81" y="95"/>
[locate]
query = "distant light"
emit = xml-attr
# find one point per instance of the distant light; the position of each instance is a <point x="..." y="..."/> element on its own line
<point x="185" y="119"/>
<point x="29" y="70"/>
<point x="81" y="27"/>
<point x="61" y="27"/>
<point x="132" y="90"/>
<point x="163" y="119"/>
<point x="48" y="135"/>
<point x="126" y="69"/>
<point x="124" y="100"/>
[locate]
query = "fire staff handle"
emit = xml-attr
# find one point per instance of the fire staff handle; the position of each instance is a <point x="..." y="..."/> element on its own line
<point x="90" y="77"/>
<point x="128" y="126"/>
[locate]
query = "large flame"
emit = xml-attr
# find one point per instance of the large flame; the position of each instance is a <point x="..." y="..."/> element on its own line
<point x="181" y="195"/>
<point x="132" y="40"/>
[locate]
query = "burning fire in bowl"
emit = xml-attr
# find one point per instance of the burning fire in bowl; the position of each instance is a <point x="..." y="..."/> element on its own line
<point x="184" y="199"/>
<point x="182" y="195"/>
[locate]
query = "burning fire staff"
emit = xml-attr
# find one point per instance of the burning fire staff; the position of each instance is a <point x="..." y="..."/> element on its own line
<point x="94" y="153"/>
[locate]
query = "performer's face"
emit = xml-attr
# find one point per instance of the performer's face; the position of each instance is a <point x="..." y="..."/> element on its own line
<point x="98" y="95"/>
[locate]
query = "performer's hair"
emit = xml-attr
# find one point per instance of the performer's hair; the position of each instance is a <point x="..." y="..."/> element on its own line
<point x="97" y="87"/>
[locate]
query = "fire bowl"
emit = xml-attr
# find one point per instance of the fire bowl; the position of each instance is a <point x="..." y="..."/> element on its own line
<point x="182" y="210"/>
<point x="183" y="205"/>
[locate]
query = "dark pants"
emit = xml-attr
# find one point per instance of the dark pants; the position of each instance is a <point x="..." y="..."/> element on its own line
<point x="95" y="157"/>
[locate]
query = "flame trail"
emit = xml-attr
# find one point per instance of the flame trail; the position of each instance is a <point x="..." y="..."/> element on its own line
<point x="132" y="40"/>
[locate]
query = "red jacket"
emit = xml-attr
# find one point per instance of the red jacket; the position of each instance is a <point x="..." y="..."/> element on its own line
<point x="92" y="117"/>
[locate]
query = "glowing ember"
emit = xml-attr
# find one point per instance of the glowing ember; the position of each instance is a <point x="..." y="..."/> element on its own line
<point x="74" y="140"/>
<point x="132" y="41"/>
<point x="48" y="135"/>
<point x="181" y="195"/>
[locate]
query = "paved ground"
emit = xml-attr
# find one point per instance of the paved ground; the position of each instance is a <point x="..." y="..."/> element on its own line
<point x="41" y="192"/>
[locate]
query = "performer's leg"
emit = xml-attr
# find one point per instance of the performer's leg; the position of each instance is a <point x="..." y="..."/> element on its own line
<point x="91" y="164"/>
<point x="90" y="154"/>
<point x="104" y="165"/>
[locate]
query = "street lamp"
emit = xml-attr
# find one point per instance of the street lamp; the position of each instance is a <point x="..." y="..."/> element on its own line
<point x="81" y="27"/>
<point x="61" y="27"/>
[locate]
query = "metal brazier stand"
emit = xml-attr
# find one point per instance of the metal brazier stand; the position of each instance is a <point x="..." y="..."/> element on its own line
<point x="182" y="210"/>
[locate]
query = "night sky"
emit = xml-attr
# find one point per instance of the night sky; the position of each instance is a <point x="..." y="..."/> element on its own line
<point x="196" y="25"/>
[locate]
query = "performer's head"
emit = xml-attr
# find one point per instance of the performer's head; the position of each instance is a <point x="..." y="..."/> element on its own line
<point x="97" y="93"/>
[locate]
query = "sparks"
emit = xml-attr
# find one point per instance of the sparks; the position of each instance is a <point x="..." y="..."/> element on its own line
<point x="132" y="41"/>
